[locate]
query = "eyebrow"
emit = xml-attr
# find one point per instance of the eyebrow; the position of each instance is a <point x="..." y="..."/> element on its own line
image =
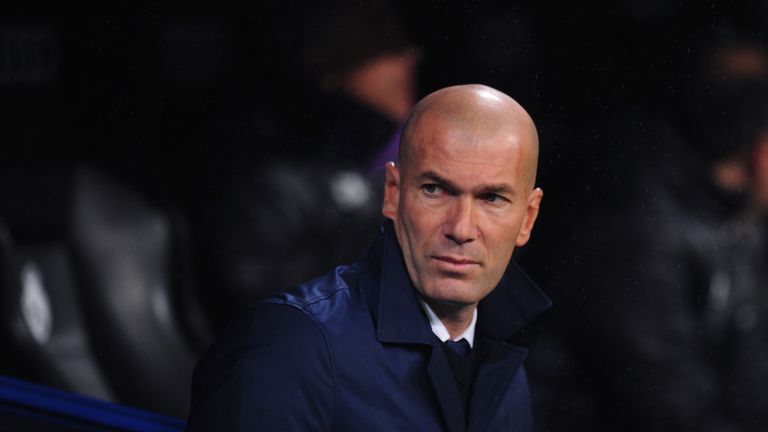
<point x="453" y="188"/>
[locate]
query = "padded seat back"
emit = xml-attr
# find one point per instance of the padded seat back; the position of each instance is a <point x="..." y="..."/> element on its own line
<point x="89" y="302"/>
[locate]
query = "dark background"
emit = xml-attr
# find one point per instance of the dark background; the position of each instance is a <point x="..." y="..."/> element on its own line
<point x="153" y="93"/>
<point x="135" y="86"/>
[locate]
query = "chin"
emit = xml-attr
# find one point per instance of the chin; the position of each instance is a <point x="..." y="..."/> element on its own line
<point x="453" y="295"/>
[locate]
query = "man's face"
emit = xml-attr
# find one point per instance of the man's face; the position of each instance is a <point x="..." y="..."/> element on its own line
<point x="460" y="204"/>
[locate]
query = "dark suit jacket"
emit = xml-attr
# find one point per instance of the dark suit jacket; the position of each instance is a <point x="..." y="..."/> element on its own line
<point x="353" y="351"/>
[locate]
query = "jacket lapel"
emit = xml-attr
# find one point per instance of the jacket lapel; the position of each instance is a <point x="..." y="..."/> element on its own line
<point x="492" y="383"/>
<point x="447" y="392"/>
<point x="400" y="319"/>
<point x="511" y="305"/>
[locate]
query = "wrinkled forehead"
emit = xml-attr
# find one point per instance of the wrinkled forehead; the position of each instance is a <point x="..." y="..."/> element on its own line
<point x="490" y="140"/>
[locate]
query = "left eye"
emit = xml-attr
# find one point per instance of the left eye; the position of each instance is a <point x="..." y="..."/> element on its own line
<point x="492" y="198"/>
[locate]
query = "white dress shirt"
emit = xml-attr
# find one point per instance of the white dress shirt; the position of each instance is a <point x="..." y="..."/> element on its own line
<point x="439" y="329"/>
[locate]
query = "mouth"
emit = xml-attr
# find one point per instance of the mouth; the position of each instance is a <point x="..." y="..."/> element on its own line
<point x="455" y="263"/>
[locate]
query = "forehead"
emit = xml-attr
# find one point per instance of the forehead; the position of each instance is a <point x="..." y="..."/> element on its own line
<point x="468" y="153"/>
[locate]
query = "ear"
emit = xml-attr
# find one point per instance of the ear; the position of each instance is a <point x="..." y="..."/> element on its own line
<point x="391" y="191"/>
<point x="531" y="213"/>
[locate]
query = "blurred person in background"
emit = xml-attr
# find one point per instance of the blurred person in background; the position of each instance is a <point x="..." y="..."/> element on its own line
<point x="675" y="319"/>
<point x="351" y="73"/>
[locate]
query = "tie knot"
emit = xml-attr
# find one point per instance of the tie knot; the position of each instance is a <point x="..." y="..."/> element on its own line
<point x="460" y="347"/>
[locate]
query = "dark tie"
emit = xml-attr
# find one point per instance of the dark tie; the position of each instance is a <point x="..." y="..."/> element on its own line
<point x="459" y="357"/>
<point x="460" y="347"/>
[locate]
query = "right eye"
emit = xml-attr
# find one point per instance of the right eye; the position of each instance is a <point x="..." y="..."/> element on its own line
<point x="431" y="189"/>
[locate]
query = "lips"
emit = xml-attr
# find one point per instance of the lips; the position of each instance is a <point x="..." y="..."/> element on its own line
<point x="455" y="261"/>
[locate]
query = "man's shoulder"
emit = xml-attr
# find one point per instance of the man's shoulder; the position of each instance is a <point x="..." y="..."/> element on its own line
<point x="304" y="319"/>
<point x="338" y="282"/>
<point x="339" y="285"/>
<point x="293" y="316"/>
<point x="255" y="365"/>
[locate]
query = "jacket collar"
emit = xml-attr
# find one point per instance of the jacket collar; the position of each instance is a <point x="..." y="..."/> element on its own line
<point x="400" y="318"/>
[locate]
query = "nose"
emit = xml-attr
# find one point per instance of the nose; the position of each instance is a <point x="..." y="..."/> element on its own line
<point x="460" y="226"/>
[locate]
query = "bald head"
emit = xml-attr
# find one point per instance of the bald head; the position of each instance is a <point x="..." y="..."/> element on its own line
<point x="478" y="113"/>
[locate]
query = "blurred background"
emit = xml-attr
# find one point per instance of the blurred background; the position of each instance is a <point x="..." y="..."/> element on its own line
<point x="164" y="165"/>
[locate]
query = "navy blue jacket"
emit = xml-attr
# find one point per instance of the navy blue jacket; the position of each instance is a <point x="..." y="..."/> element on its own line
<point x="353" y="351"/>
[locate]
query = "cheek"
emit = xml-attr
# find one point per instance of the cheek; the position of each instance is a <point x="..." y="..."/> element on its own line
<point x="410" y="221"/>
<point x="418" y="214"/>
<point x="422" y="226"/>
<point x="501" y="234"/>
<point x="500" y="245"/>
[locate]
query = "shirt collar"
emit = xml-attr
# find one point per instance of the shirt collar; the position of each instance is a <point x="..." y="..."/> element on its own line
<point x="439" y="329"/>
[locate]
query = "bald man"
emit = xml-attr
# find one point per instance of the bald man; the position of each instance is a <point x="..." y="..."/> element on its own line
<point x="415" y="335"/>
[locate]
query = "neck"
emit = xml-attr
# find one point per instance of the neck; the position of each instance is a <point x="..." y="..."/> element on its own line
<point x="456" y="319"/>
